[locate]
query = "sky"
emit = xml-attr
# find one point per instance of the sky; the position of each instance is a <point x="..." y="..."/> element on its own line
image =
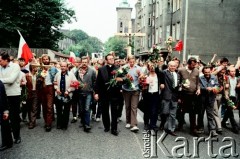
<point x="97" y="18"/>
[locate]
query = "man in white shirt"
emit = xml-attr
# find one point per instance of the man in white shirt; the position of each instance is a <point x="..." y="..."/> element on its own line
<point x="10" y="76"/>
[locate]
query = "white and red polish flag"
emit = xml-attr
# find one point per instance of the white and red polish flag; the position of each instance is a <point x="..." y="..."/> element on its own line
<point x="23" y="50"/>
<point x="72" y="57"/>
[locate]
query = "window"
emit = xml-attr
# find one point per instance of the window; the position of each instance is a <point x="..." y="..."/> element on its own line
<point x="156" y="36"/>
<point x="174" y="31"/>
<point x="178" y="31"/>
<point x="169" y="6"/>
<point x="157" y="9"/>
<point x="149" y="41"/>
<point x="149" y="19"/>
<point x="168" y="31"/>
<point x="179" y="4"/>
<point x="120" y="24"/>
<point x="161" y="7"/>
<point x="174" y="5"/>
<point x="143" y="21"/>
<point x="160" y="34"/>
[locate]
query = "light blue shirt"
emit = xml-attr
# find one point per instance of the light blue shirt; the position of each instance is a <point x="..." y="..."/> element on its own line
<point x="133" y="72"/>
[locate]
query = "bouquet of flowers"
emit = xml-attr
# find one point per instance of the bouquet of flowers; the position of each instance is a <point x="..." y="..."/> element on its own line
<point x="216" y="90"/>
<point x="128" y="81"/>
<point x="143" y="82"/>
<point x="77" y="85"/>
<point x="231" y="104"/>
<point x="43" y="73"/>
<point x="186" y="83"/>
<point x="121" y="72"/>
<point x="154" y="53"/>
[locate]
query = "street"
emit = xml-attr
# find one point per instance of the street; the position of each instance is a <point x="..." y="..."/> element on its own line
<point x="74" y="143"/>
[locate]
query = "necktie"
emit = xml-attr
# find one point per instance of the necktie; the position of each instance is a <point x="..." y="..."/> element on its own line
<point x="173" y="79"/>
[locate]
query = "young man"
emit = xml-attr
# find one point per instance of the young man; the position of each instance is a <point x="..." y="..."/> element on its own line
<point x="87" y="77"/>
<point x="108" y="95"/>
<point x="10" y="77"/>
<point x="45" y="86"/>
<point x="189" y="78"/>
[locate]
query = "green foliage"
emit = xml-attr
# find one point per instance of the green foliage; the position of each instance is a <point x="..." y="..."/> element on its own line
<point x="117" y="45"/>
<point x="84" y="43"/>
<point x="38" y="21"/>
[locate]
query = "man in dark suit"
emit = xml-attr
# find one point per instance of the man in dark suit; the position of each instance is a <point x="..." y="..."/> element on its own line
<point x="7" y="140"/>
<point x="169" y="86"/>
<point x="108" y="95"/>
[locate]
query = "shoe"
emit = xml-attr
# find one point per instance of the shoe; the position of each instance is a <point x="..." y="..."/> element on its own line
<point x="224" y="125"/>
<point x="74" y="120"/>
<point x="134" y="129"/>
<point x="213" y="133"/>
<point x="31" y="126"/>
<point x="87" y="128"/>
<point x="48" y="128"/>
<point x="24" y="120"/>
<point x="115" y="132"/>
<point x="235" y="130"/>
<point x="106" y="130"/>
<point x="200" y="131"/>
<point x="146" y="127"/>
<point x="227" y="122"/>
<point x="219" y="131"/>
<point x="18" y="140"/>
<point x="98" y="119"/>
<point x="93" y="117"/>
<point x="64" y="128"/>
<point x="59" y="127"/>
<point x="119" y="120"/>
<point x="2" y="148"/>
<point x="171" y="133"/>
<point x="128" y="126"/>
<point x="194" y="133"/>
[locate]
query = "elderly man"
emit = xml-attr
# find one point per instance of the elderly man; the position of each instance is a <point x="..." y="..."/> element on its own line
<point x="10" y="77"/>
<point x="169" y="86"/>
<point x="62" y="85"/>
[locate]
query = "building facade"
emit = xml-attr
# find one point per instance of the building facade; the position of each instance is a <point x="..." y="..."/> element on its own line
<point x="205" y="27"/>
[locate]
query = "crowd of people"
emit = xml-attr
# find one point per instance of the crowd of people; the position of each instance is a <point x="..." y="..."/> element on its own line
<point x="89" y="88"/>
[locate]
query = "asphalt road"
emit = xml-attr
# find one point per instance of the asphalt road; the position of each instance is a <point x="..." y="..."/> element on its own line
<point x="74" y="143"/>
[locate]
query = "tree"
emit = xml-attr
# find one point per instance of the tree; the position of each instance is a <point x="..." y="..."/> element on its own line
<point x="117" y="45"/>
<point x="84" y="43"/>
<point x="38" y="21"/>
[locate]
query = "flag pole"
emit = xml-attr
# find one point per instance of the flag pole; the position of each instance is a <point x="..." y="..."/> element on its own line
<point x="19" y="33"/>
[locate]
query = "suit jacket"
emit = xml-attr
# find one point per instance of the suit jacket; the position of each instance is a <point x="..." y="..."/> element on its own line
<point x="169" y="92"/>
<point x="3" y="100"/>
<point x="205" y="94"/>
<point x="102" y="85"/>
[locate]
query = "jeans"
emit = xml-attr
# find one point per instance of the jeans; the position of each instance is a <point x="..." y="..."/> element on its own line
<point x="85" y="105"/>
